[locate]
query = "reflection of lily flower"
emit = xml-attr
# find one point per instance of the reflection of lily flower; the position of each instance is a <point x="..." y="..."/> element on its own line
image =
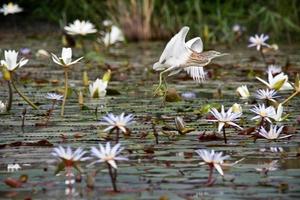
<point x="2" y="107"/>
<point x="277" y="82"/>
<point x="265" y="168"/>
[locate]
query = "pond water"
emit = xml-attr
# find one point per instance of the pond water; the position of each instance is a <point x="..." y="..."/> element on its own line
<point x="167" y="170"/>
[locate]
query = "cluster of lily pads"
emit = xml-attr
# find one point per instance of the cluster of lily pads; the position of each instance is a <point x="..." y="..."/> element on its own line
<point x="177" y="56"/>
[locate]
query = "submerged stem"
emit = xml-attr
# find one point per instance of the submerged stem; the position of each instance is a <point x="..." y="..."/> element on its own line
<point x="10" y="96"/>
<point x="117" y="135"/>
<point x="112" y="177"/>
<point x="224" y="134"/>
<point x="23" y="96"/>
<point x="66" y="91"/>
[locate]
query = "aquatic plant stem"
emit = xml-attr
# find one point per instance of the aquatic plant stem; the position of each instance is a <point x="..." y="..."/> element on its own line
<point x="211" y="170"/>
<point x="224" y="134"/>
<point x="112" y="177"/>
<point x="23" y="96"/>
<point x="290" y="97"/>
<point x="117" y="135"/>
<point x="65" y="93"/>
<point x="50" y="111"/>
<point x="263" y="57"/>
<point x="10" y="96"/>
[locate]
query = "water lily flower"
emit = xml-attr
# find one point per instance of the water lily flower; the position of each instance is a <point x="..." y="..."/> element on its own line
<point x="113" y="36"/>
<point x="273" y="133"/>
<point x="274" y="69"/>
<point x="237" y="28"/>
<point x="10" y="60"/>
<point x="267" y="94"/>
<point x="10" y="8"/>
<point x="180" y="55"/>
<point x="66" y="58"/>
<point x="80" y="28"/>
<point x="2" y="107"/>
<point x="54" y="96"/>
<point x="278" y="114"/>
<point x="98" y="88"/>
<point x="243" y="92"/>
<point x="119" y="122"/>
<point x="258" y="41"/>
<point x="277" y="82"/>
<point x="263" y="112"/>
<point x="237" y="108"/>
<point x="108" y="154"/>
<point x="107" y="22"/>
<point x="213" y="159"/>
<point x="225" y="118"/>
<point x="68" y="156"/>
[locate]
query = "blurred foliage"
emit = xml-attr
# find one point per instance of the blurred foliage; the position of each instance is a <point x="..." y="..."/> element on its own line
<point x="158" y="19"/>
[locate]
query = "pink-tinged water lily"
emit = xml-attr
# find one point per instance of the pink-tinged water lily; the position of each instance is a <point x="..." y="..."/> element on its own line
<point x="273" y="133"/>
<point x="225" y="118"/>
<point x="213" y="159"/>
<point x="108" y="154"/>
<point x="66" y="58"/>
<point x="10" y="8"/>
<point x="10" y="60"/>
<point x="277" y="82"/>
<point x="258" y="41"/>
<point x="80" y="28"/>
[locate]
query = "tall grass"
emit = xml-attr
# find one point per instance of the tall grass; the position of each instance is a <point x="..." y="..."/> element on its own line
<point x="158" y="19"/>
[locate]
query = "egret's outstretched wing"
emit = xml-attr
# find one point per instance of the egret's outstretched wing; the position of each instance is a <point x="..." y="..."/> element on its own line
<point x="196" y="72"/>
<point x="195" y="44"/>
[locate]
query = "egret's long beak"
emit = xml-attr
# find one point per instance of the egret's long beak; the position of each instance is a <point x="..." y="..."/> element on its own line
<point x="224" y="54"/>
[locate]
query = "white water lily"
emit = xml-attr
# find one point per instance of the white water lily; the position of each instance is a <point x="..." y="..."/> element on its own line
<point x="189" y="56"/>
<point x="274" y="69"/>
<point x="10" y="60"/>
<point x="278" y="114"/>
<point x="263" y="112"/>
<point x="108" y="154"/>
<point x="266" y="94"/>
<point x="98" y="88"/>
<point x="237" y="108"/>
<point x="258" y="41"/>
<point x="273" y="133"/>
<point x="115" y="35"/>
<point x="243" y="92"/>
<point x="277" y="82"/>
<point x="119" y="121"/>
<point x="10" y="8"/>
<point x="66" y="58"/>
<point x="225" y="118"/>
<point x="212" y="158"/>
<point x="54" y="96"/>
<point x="2" y="107"/>
<point x="80" y="28"/>
<point x="68" y="156"/>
